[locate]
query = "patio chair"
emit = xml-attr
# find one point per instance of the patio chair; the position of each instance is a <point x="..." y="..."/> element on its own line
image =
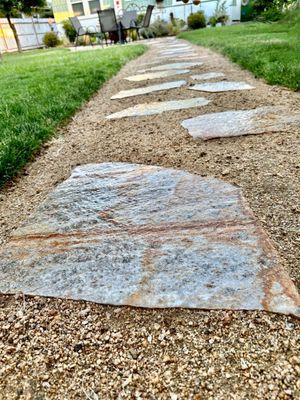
<point x="108" y="24"/>
<point x="81" y="31"/>
<point x="128" y="20"/>
<point x="146" y="20"/>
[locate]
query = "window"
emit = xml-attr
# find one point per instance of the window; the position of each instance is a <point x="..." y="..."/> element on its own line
<point x="78" y="9"/>
<point x="94" y="6"/>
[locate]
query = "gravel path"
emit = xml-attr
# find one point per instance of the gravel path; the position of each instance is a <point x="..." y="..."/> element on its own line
<point x="54" y="349"/>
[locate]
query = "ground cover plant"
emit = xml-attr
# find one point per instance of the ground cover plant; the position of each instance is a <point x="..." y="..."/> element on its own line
<point x="41" y="89"/>
<point x="269" y="50"/>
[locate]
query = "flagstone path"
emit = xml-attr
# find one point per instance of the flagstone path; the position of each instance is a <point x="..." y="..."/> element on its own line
<point x="145" y="236"/>
<point x="156" y="75"/>
<point x="238" y="123"/>
<point x="222" y="86"/>
<point x="148" y="89"/>
<point x="159" y="107"/>
<point x="68" y="349"/>
<point x="208" y="75"/>
<point x="180" y="65"/>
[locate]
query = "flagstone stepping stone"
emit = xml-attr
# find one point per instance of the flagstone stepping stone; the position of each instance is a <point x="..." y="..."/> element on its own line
<point x="175" y="56"/>
<point x="182" y="59"/>
<point x="238" y="123"/>
<point x="179" y="65"/>
<point x="159" y="107"/>
<point x="156" y="75"/>
<point x="176" y="50"/>
<point x="148" y="89"/>
<point x="208" y="75"/>
<point x="147" y="236"/>
<point x="222" y="86"/>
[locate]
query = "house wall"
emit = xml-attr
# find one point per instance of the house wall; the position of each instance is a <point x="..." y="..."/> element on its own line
<point x="65" y="8"/>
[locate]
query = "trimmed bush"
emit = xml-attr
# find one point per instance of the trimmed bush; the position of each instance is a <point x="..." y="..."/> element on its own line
<point x="196" y="20"/>
<point x="51" y="39"/>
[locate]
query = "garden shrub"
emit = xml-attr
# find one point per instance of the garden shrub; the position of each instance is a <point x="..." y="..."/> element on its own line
<point x="140" y="18"/>
<point x="212" y="21"/>
<point x="175" y="26"/>
<point x="133" y="35"/>
<point x="51" y="39"/>
<point x="147" y="33"/>
<point x="160" y="28"/>
<point x="271" y="14"/>
<point x="196" y="20"/>
<point x="220" y="13"/>
<point x="70" y="32"/>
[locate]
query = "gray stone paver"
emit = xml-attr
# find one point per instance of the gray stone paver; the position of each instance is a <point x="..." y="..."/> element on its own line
<point x="156" y="75"/>
<point x="178" y="65"/>
<point x="159" y="107"/>
<point x="148" y="89"/>
<point x="239" y="123"/>
<point x="208" y="75"/>
<point x="221" y="86"/>
<point x="147" y="236"/>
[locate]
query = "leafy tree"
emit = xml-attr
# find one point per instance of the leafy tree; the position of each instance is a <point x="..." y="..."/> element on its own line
<point x="263" y="5"/>
<point x="9" y="8"/>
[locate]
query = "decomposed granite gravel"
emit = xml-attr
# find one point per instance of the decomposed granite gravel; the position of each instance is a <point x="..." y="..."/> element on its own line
<point x="60" y="349"/>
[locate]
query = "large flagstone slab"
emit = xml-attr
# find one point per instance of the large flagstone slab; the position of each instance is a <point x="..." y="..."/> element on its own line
<point x="148" y="89"/>
<point x="222" y="86"/>
<point x="238" y="123"/>
<point x="156" y="75"/>
<point x="208" y="75"/>
<point x="178" y="65"/>
<point x="159" y="107"/>
<point x="147" y="236"/>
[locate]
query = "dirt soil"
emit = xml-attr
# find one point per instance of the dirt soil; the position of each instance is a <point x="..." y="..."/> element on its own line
<point x="61" y="349"/>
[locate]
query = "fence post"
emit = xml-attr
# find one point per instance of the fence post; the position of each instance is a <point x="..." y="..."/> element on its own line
<point x="3" y="35"/>
<point x="34" y="30"/>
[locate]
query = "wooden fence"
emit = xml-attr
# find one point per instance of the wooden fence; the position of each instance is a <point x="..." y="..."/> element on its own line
<point x="30" y="31"/>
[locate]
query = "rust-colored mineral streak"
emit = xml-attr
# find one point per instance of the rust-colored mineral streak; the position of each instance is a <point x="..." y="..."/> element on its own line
<point x="147" y="236"/>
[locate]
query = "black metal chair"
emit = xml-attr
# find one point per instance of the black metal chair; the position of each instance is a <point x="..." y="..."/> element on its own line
<point x="81" y="31"/>
<point x="128" y="20"/>
<point x="146" y="20"/>
<point x="109" y="25"/>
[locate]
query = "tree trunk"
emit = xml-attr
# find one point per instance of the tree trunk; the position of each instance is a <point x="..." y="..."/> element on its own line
<point x="13" y="28"/>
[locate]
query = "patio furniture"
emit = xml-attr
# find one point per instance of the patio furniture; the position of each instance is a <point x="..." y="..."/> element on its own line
<point x="128" y="20"/>
<point x="81" y="31"/>
<point x="109" y="24"/>
<point x="146" y="21"/>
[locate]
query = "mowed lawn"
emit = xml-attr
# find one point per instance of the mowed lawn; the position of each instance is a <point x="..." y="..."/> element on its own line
<point x="269" y="50"/>
<point x="41" y="89"/>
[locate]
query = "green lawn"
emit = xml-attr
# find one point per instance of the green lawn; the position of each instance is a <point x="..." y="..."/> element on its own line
<point x="41" y="89"/>
<point x="269" y="50"/>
